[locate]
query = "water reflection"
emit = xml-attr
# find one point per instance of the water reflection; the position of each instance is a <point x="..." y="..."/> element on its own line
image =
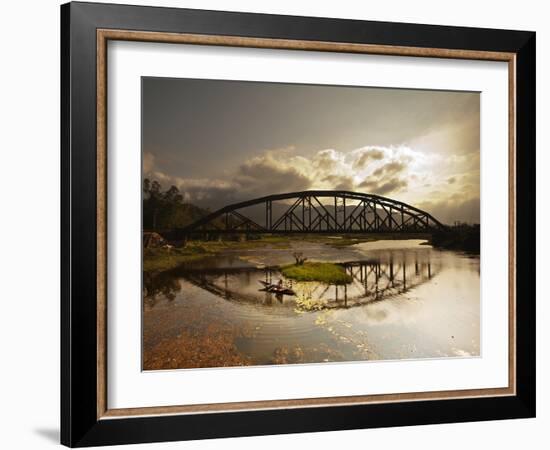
<point x="401" y="303"/>
<point x="159" y="285"/>
<point x="371" y="281"/>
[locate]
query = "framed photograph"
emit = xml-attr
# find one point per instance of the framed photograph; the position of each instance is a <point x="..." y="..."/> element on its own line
<point x="276" y="224"/>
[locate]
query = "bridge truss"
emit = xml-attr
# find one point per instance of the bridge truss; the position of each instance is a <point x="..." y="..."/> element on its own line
<point x="318" y="212"/>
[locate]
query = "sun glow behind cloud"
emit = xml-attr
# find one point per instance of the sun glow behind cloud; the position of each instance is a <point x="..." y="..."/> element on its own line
<point x="423" y="179"/>
<point x="221" y="142"/>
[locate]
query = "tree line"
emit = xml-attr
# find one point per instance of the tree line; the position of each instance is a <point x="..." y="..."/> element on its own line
<point x="166" y="209"/>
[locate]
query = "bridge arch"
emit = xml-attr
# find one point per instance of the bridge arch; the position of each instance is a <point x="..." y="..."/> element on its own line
<point x="319" y="211"/>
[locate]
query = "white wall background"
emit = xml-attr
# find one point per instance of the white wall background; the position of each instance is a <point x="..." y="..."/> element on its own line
<point x="29" y="311"/>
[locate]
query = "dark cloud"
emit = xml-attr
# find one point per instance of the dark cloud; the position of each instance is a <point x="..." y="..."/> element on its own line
<point x="383" y="187"/>
<point x="265" y="175"/>
<point x="390" y="168"/>
<point x="371" y="154"/>
<point x="257" y="177"/>
<point x="326" y="160"/>
<point x="386" y="178"/>
<point x="207" y="194"/>
<point x="340" y="183"/>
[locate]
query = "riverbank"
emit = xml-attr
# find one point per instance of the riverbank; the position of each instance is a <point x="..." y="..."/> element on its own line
<point x="465" y="239"/>
<point x="170" y="257"/>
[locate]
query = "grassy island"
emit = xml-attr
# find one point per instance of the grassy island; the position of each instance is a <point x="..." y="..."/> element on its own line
<point x="317" y="271"/>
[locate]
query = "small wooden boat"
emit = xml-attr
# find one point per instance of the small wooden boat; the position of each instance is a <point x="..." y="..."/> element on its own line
<point x="269" y="287"/>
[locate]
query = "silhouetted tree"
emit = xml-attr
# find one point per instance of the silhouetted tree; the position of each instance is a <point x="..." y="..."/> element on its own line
<point x="152" y="202"/>
<point x="166" y="209"/>
<point x="299" y="257"/>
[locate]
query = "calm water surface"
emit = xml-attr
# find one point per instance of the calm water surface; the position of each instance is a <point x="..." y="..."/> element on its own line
<point x="406" y="300"/>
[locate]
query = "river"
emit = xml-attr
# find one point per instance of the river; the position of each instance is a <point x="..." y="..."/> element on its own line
<point x="407" y="300"/>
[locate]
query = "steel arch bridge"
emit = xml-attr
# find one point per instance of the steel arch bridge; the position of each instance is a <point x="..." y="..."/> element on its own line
<point x="319" y="211"/>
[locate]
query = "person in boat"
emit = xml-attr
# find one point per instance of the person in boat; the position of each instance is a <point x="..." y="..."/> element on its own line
<point x="280" y="284"/>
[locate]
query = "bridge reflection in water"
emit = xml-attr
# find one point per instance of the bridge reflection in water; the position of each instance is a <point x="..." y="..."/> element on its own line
<point x="401" y="303"/>
<point x="372" y="281"/>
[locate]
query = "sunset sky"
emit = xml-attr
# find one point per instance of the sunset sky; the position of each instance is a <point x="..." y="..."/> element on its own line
<point x="226" y="141"/>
